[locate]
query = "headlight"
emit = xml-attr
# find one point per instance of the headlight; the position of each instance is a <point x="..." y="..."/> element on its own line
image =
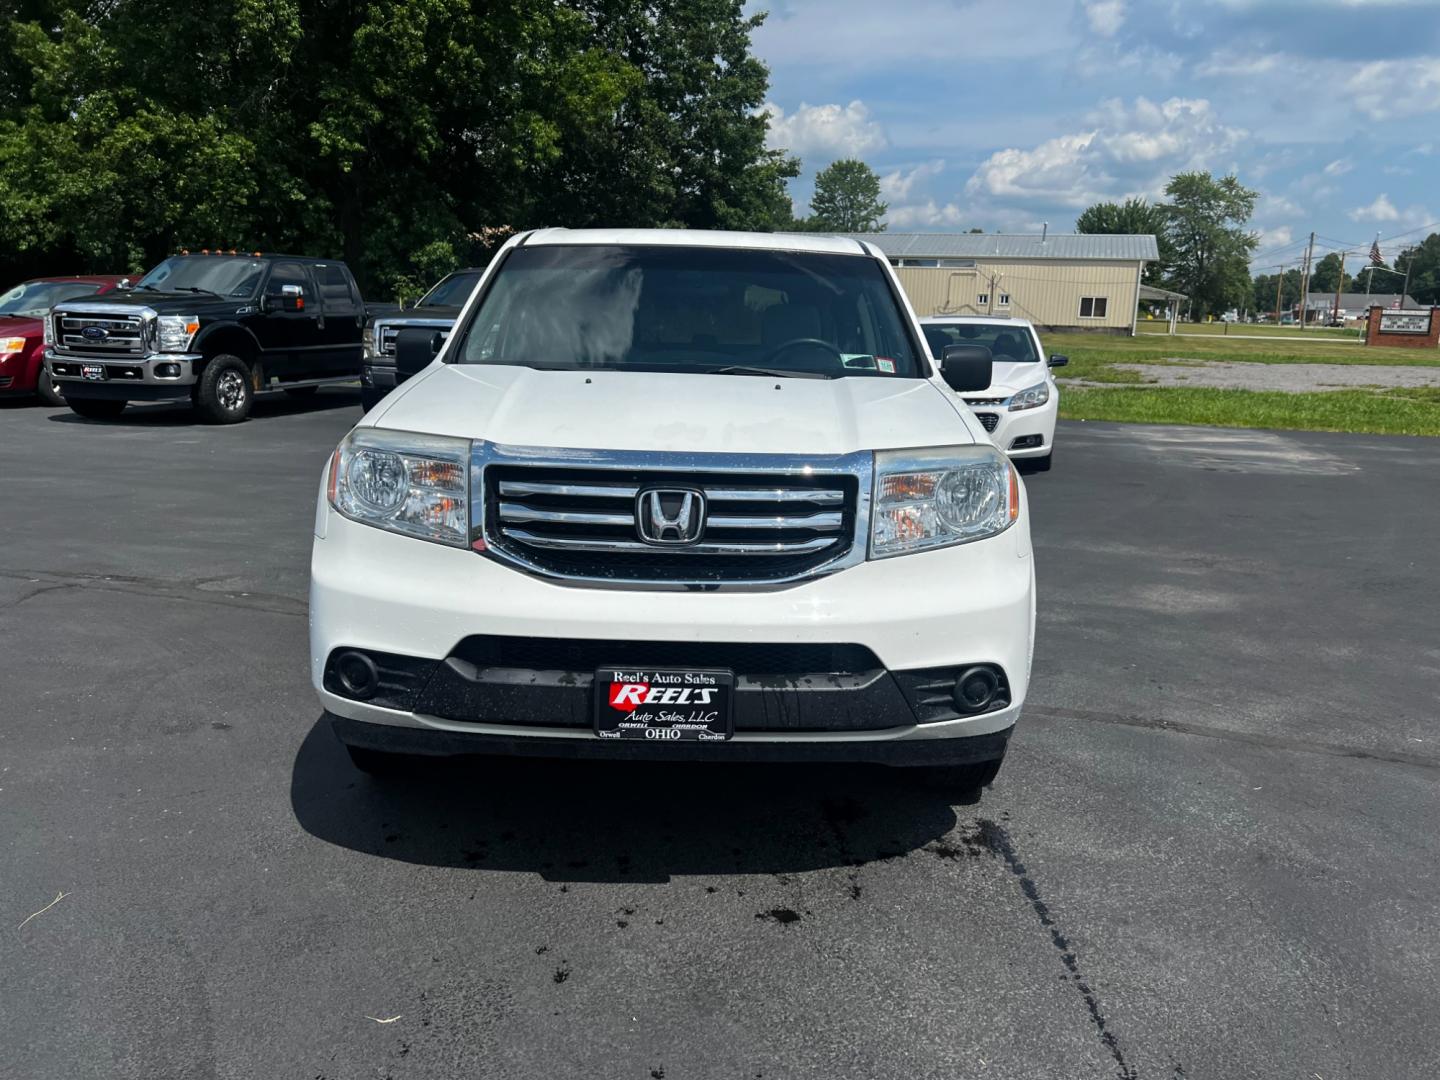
<point x="938" y="497"/>
<point x="367" y="341"/>
<point x="413" y="484"/>
<point x="1032" y="397"/>
<point x="49" y="322"/>
<point x="173" y="333"/>
<point x="10" y="345"/>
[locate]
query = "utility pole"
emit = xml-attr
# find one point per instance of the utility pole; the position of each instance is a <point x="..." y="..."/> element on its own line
<point x="1406" y="287"/>
<point x="1305" y="281"/>
<point x="1339" y="284"/>
<point x="1279" y="281"/>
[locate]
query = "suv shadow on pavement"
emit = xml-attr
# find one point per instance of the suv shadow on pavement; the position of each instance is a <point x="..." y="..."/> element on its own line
<point x="601" y="821"/>
<point x="180" y="414"/>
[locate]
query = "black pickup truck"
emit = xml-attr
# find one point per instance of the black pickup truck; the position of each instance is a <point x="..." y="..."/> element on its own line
<point x="214" y="329"/>
<point x="422" y="328"/>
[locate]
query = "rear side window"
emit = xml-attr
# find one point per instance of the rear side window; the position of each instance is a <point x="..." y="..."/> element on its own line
<point x="282" y="274"/>
<point x="334" y="286"/>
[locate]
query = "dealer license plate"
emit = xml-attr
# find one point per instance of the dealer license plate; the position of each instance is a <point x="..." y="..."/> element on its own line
<point x="93" y="372"/>
<point x="664" y="704"/>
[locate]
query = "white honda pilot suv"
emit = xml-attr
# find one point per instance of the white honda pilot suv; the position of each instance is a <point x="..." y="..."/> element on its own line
<point x="678" y="496"/>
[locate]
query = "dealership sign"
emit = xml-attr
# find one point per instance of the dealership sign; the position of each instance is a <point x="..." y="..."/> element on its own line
<point x="1405" y="322"/>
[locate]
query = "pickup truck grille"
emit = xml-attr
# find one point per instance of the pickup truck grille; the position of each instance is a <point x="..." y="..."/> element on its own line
<point x="108" y="335"/>
<point x="749" y="526"/>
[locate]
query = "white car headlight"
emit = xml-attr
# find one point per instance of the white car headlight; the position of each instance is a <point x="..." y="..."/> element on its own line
<point x="10" y="345"/>
<point x="417" y="485"/>
<point x="1032" y="397"/>
<point x="173" y="333"/>
<point x="938" y="497"/>
<point x="49" y="332"/>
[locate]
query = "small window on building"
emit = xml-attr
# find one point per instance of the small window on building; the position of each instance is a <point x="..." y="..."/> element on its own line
<point x="983" y="298"/>
<point x="1004" y="299"/>
<point x="926" y="264"/>
<point x="1093" y="307"/>
<point x="958" y="264"/>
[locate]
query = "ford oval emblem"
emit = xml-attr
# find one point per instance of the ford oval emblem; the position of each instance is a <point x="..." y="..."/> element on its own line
<point x="94" y="333"/>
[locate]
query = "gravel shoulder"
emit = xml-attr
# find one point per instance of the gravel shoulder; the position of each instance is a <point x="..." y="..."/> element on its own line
<point x="1286" y="378"/>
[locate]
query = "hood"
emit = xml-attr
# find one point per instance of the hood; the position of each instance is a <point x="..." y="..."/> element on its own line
<point x="1010" y="376"/>
<point x="20" y="326"/>
<point x="164" y="303"/>
<point x="616" y="410"/>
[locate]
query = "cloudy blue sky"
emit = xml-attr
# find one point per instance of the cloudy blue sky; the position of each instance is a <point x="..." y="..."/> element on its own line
<point x="1003" y="115"/>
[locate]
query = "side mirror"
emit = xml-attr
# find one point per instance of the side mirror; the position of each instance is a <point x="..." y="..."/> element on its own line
<point x="415" y="348"/>
<point x="966" y="368"/>
<point x="292" y="298"/>
<point x="1059" y="361"/>
<point x="125" y="285"/>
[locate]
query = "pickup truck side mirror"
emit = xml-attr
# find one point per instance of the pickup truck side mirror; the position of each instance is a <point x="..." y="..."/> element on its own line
<point x="966" y="368"/>
<point x="289" y="298"/>
<point x="1059" y="361"/>
<point x="415" y="348"/>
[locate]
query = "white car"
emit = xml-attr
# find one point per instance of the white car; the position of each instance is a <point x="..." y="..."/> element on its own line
<point x="678" y="496"/>
<point x="1020" y="407"/>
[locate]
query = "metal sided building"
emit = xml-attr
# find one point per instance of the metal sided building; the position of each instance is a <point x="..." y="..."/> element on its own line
<point x="1057" y="281"/>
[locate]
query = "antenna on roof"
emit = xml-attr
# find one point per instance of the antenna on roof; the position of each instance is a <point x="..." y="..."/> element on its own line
<point x="1044" y="230"/>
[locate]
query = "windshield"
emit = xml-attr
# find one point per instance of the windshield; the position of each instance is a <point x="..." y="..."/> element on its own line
<point x="452" y="291"/>
<point x="1007" y="344"/>
<point x="687" y="309"/>
<point x="223" y="275"/>
<point x="34" y="298"/>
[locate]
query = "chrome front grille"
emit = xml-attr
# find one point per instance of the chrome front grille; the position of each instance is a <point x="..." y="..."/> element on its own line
<point x="988" y="419"/>
<point x="108" y="335"/>
<point x="763" y="519"/>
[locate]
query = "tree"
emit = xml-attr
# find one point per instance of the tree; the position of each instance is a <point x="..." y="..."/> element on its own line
<point x="390" y="133"/>
<point x="1326" y="276"/>
<point x="1205" y="222"/>
<point x="847" y="199"/>
<point x="1134" y="217"/>
<point x="1423" y="262"/>
<point x="1263" y="292"/>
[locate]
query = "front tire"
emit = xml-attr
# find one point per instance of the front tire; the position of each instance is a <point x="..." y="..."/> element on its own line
<point x="378" y="763"/>
<point x="95" y="408"/>
<point x="962" y="783"/>
<point x="46" y="390"/>
<point x="224" y="395"/>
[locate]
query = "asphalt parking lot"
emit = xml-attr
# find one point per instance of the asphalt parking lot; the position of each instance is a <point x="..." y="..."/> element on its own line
<point x="1214" y="850"/>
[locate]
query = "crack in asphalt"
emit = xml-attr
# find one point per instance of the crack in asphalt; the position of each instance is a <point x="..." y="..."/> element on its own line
<point x="997" y="840"/>
<point x="1209" y="731"/>
<point x="191" y="591"/>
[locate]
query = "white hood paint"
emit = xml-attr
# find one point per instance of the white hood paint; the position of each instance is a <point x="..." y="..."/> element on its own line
<point x="614" y="410"/>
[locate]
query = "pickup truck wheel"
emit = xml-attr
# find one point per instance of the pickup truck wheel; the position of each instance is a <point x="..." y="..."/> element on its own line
<point x="223" y="394"/>
<point x="964" y="783"/>
<point x="46" y="390"/>
<point x="301" y="391"/>
<point x="95" y="409"/>
<point x="378" y="763"/>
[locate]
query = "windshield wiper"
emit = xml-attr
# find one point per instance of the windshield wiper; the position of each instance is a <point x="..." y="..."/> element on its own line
<point x="195" y="289"/>
<point x="781" y="373"/>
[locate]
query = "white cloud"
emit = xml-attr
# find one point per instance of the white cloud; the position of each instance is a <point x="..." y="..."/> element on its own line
<point x="896" y="186"/>
<point x="928" y="215"/>
<point x="1390" y="88"/>
<point x="1382" y="209"/>
<point x="1106" y="16"/>
<point x="1278" y="206"/>
<point x="1225" y="64"/>
<point x="824" y="131"/>
<point x="1339" y="167"/>
<point x="1130" y="150"/>
<point x="1278" y="237"/>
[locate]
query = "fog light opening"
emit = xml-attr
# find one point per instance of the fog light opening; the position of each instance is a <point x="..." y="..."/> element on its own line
<point x="357" y="674"/>
<point x="975" y="689"/>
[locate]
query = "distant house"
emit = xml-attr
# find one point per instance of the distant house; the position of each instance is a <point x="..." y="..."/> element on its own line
<point x="1061" y="281"/>
<point x="1353" y="305"/>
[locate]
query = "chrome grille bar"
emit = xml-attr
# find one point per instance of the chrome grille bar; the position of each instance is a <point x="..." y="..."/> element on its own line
<point x="736" y="547"/>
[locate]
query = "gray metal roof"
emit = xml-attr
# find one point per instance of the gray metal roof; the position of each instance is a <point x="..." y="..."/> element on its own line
<point x="1012" y="246"/>
<point x="1150" y="292"/>
<point x="1354" y="301"/>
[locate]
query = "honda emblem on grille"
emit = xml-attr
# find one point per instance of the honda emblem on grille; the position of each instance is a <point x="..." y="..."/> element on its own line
<point x="670" y="516"/>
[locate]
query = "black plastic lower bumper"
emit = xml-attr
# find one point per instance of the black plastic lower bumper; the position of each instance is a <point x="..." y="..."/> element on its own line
<point x="122" y="391"/>
<point x="972" y="750"/>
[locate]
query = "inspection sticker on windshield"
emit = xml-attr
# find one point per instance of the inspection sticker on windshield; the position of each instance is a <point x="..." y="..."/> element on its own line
<point x="664" y="705"/>
<point x="885" y="364"/>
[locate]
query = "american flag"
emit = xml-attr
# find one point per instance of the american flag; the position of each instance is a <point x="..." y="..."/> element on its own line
<point x="1376" y="259"/>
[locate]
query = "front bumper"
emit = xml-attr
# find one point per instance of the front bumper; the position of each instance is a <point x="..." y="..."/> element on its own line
<point x="378" y="373"/>
<point x="1024" y="427"/>
<point x="135" y="378"/>
<point x="381" y="593"/>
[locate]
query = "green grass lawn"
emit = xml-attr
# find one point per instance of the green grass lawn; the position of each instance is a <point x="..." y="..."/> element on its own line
<point x="1124" y="396"/>
<point x="1217" y="329"/>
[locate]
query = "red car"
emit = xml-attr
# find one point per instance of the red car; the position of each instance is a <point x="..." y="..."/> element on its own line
<point x="22" y="328"/>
